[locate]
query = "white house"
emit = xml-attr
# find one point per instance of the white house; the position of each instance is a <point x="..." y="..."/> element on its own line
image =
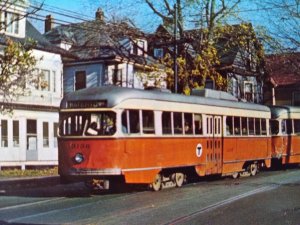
<point x="28" y="136"/>
<point x="106" y="53"/>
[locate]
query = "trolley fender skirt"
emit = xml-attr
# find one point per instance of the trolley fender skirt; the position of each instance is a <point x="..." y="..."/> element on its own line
<point x="268" y="163"/>
<point x="201" y="169"/>
<point x="145" y="176"/>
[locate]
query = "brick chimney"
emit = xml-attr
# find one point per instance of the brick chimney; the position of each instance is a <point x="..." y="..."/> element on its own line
<point x="49" y="23"/>
<point x="99" y="15"/>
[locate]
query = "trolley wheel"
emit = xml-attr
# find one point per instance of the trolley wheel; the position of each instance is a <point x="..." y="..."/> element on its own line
<point x="179" y="179"/>
<point x="253" y="169"/>
<point x="235" y="175"/>
<point x="157" y="183"/>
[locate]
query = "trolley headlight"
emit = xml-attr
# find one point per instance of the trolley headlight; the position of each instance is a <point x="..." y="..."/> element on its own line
<point x="78" y="158"/>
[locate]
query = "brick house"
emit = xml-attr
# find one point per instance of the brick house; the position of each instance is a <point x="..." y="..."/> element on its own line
<point x="283" y="79"/>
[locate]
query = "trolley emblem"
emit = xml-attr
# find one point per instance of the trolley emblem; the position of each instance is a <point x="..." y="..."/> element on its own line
<point x="199" y="150"/>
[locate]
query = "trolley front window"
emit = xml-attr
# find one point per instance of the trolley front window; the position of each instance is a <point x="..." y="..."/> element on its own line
<point x="87" y="124"/>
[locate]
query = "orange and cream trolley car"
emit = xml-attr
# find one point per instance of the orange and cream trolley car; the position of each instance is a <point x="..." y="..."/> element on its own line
<point x="157" y="138"/>
<point x="285" y="131"/>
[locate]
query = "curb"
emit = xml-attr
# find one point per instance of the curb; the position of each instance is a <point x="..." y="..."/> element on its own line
<point x="32" y="182"/>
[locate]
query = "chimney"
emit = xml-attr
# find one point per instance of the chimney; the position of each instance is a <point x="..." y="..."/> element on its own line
<point x="99" y="15"/>
<point x="49" y="22"/>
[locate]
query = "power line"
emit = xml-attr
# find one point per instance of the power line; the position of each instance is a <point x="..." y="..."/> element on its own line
<point x="62" y="11"/>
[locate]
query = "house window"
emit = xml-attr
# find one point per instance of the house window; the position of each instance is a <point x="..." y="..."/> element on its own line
<point x="4" y="138"/>
<point x="138" y="47"/>
<point x="31" y="135"/>
<point x="117" y="77"/>
<point x="158" y="53"/>
<point x="141" y="47"/>
<point x="16" y="134"/>
<point x="80" y="80"/>
<point x="45" y="80"/>
<point x="45" y="134"/>
<point x="55" y="130"/>
<point x="209" y="84"/>
<point x="248" y="91"/>
<point x="54" y="80"/>
<point x="10" y="22"/>
<point x="235" y="88"/>
<point x="296" y="98"/>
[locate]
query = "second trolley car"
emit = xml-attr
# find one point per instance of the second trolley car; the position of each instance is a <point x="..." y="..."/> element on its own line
<point x="285" y="131"/>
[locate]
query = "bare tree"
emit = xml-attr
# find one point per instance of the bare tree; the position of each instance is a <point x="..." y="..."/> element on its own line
<point x="283" y="19"/>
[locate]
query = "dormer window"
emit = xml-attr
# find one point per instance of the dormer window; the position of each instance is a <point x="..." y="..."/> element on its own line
<point x="139" y="47"/>
<point x="10" y="23"/>
<point x="248" y="91"/>
<point x="158" y="53"/>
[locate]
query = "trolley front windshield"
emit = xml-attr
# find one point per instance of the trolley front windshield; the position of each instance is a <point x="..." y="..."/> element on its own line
<point x="87" y="123"/>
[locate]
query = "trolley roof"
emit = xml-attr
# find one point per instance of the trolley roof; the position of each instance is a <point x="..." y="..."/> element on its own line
<point x="285" y="112"/>
<point x="113" y="96"/>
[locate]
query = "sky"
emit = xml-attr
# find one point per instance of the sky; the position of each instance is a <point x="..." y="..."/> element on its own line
<point x="257" y="12"/>
<point x="85" y="10"/>
<point x="140" y="14"/>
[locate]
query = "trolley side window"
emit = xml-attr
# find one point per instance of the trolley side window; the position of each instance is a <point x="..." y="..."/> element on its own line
<point x="251" y="126"/>
<point x="257" y="126"/>
<point x="131" y="123"/>
<point x="177" y="121"/>
<point x="244" y="126"/>
<point x="166" y="123"/>
<point x="237" y="125"/>
<point x="148" y="122"/>
<point x="297" y="126"/>
<point x="188" y="123"/>
<point x="134" y="121"/>
<point x="124" y="122"/>
<point x="198" y="124"/>
<point x="229" y="125"/>
<point x="263" y="126"/>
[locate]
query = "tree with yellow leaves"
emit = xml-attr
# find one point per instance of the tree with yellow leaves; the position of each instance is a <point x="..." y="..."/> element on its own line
<point x="194" y="70"/>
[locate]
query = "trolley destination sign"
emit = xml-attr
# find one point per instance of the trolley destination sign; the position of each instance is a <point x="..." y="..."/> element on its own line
<point x="87" y="104"/>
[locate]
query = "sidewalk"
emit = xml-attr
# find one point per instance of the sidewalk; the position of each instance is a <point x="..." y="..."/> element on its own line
<point x="7" y="183"/>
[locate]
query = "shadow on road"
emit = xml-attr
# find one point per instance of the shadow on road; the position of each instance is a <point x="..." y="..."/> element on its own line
<point x="6" y="223"/>
<point x="79" y="190"/>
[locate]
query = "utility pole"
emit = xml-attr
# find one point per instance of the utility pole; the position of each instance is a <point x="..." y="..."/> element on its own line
<point x="175" y="50"/>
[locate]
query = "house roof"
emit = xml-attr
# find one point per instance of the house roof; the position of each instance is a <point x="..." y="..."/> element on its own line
<point x="41" y="42"/>
<point x="283" y="69"/>
<point x="98" y="39"/>
<point x="227" y="56"/>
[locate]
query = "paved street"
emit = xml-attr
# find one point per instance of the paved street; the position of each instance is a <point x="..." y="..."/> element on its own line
<point x="272" y="197"/>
